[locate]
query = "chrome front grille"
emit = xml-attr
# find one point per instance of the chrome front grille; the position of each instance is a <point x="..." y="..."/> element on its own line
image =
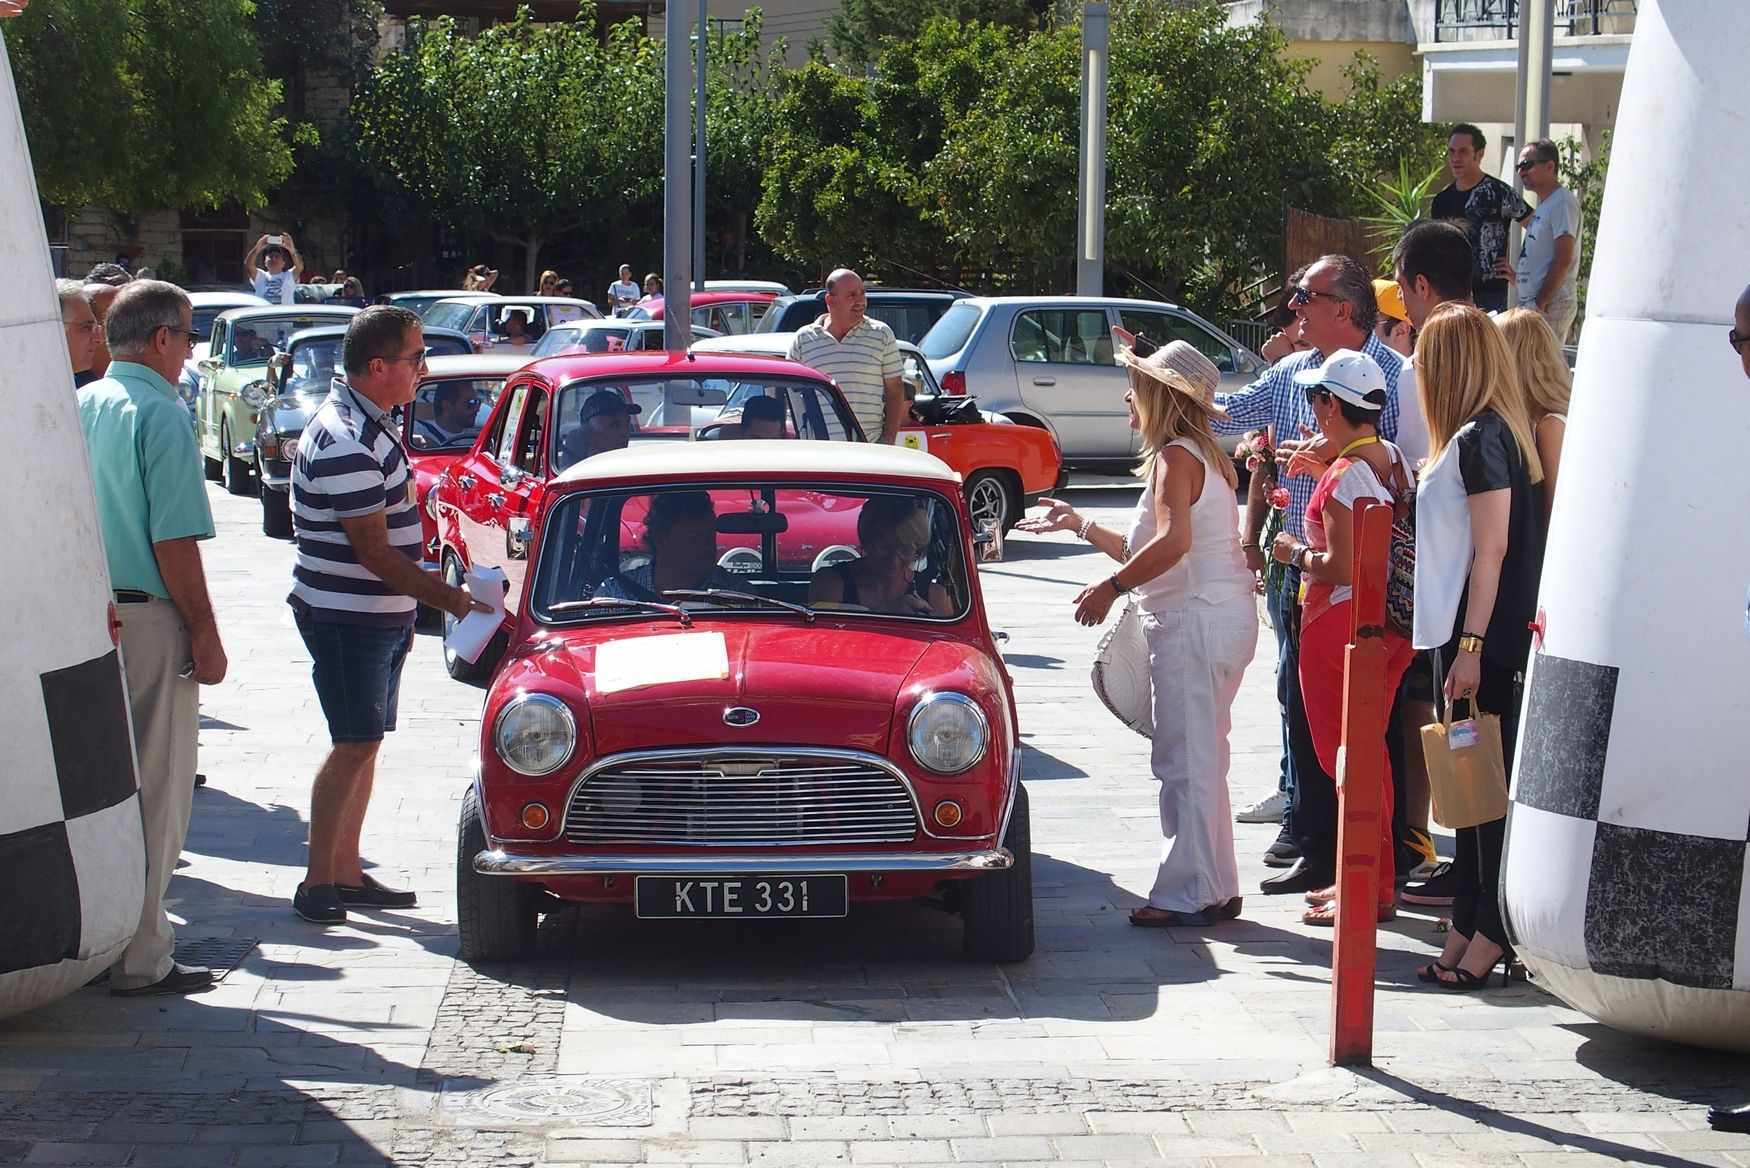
<point x="741" y="799"/>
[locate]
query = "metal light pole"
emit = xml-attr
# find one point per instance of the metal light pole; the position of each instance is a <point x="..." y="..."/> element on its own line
<point x="1537" y="21"/>
<point x="677" y="187"/>
<point x="1091" y="170"/>
<point x="699" y="157"/>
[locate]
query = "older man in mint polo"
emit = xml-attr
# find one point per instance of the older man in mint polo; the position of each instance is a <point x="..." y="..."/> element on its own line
<point x="152" y="507"/>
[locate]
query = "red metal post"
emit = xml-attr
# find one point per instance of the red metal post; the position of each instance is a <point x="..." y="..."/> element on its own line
<point x="1359" y="785"/>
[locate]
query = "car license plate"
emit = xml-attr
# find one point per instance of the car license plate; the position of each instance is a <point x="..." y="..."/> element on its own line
<point x="739" y="897"/>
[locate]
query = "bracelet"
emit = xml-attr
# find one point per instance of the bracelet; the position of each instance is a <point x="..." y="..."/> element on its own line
<point x="1124" y="549"/>
<point x="1116" y="586"/>
<point x="1251" y="547"/>
<point x="1302" y="557"/>
<point x="1470" y="643"/>
<point x="1082" y="531"/>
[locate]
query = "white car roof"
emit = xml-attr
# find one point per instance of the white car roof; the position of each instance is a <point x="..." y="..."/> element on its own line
<point x="452" y="294"/>
<point x="755" y="457"/>
<point x="763" y="344"/>
<point x="305" y="311"/>
<point x="224" y="299"/>
<point x="474" y="365"/>
<point x="1068" y="302"/>
<point x="771" y="286"/>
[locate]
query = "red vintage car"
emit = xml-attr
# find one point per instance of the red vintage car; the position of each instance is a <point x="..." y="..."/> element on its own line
<point x="779" y="742"/>
<point x="727" y="311"/>
<point x="485" y="506"/>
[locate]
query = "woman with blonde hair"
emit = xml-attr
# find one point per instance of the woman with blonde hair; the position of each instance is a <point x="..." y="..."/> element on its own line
<point x="1544" y="377"/>
<point x="549" y="283"/>
<point x="1479" y="551"/>
<point x="1182" y="558"/>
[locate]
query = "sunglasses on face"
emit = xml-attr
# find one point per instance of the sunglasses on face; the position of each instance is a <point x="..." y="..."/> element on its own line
<point x="190" y="336"/>
<point x="1522" y="167"/>
<point x="1737" y="340"/>
<point x="416" y="358"/>
<point x="1302" y="295"/>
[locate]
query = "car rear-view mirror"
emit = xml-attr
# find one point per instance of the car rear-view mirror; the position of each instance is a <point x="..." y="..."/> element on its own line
<point x="691" y="393"/>
<point x="752" y="523"/>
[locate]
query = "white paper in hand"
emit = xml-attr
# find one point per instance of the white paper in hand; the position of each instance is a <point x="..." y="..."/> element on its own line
<point x="474" y="632"/>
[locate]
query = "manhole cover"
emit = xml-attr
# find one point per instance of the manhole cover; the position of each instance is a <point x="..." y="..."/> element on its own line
<point x="220" y="954"/>
<point x="573" y="1102"/>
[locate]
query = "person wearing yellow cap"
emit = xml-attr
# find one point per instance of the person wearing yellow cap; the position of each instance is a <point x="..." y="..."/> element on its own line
<point x="1393" y="326"/>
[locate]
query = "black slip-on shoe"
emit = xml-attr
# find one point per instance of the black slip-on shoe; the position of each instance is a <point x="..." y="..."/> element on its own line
<point x="319" y="904"/>
<point x="1437" y="891"/>
<point x="1303" y="877"/>
<point x="371" y="894"/>
<point x="182" y="979"/>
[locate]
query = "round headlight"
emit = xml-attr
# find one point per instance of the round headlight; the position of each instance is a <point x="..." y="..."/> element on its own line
<point x="947" y="733"/>
<point x="535" y="734"/>
<point x="289" y="449"/>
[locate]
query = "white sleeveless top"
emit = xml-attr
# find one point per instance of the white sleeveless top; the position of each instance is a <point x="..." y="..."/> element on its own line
<point x="1213" y="570"/>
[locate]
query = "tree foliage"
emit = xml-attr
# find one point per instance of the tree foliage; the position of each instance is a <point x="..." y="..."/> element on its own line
<point x="862" y="29"/>
<point x="522" y="133"/>
<point x="137" y="105"/>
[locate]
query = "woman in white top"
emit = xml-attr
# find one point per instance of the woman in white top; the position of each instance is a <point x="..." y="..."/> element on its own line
<point x="1182" y="558"/>
<point x="1547" y="385"/>
<point x="1346" y="394"/>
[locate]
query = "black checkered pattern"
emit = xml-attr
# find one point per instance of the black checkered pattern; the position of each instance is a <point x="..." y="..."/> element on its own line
<point x="41" y="918"/>
<point x="1646" y="888"/>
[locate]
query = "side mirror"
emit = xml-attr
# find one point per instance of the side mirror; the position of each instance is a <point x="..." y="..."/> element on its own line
<point x="256" y="394"/>
<point x="209" y="366"/>
<point x="510" y="476"/>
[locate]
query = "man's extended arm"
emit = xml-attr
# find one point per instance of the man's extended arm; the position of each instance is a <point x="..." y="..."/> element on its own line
<point x="179" y="563"/>
<point x="1251" y="408"/>
<point x="297" y="260"/>
<point x="252" y="256"/>
<point x="369" y="536"/>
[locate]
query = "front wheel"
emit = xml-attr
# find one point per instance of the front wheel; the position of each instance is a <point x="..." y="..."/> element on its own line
<point x="996" y="909"/>
<point x="992" y="500"/>
<point x="276" y="513"/>
<point x="239" y="479"/>
<point x="495" y="915"/>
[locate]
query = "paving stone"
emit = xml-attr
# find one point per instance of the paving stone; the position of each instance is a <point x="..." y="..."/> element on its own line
<point x="797" y="1155"/>
<point x="1004" y="1148"/>
<point x="899" y="1151"/>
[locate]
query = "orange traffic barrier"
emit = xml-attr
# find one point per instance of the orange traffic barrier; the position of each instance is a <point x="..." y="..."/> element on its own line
<point x="1359" y="786"/>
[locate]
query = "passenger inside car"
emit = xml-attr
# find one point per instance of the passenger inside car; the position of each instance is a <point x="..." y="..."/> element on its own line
<point x="604" y="422"/>
<point x="514" y="330"/>
<point x="453" y="418"/>
<point x="680" y="533"/>
<point x="894" y="535"/>
<point x="761" y="417"/>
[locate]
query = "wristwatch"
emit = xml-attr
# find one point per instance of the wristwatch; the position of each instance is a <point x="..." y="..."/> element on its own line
<point x="1470" y="643"/>
<point x="1120" y="589"/>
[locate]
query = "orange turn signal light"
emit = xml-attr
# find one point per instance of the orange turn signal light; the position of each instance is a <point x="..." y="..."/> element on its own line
<point x="536" y="816"/>
<point x="948" y="813"/>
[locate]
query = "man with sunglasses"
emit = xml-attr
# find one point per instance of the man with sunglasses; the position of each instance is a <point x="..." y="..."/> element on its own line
<point x="356" y="588"/>
<point x="1335" y="304"/>
<point x="1549" y="257"/>
<point x="152" y="509"/>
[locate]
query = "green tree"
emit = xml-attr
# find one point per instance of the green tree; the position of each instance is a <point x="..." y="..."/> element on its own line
<point x="862" y="29"/>
<point x="136" y="105"/>
<point x="522" y="133"/>
<point x="741" y="94"/>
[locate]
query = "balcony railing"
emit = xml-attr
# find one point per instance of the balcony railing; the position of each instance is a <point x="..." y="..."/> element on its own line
<point x="1492" y="20"/>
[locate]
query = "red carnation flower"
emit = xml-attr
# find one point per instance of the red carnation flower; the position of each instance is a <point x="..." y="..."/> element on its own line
<point x="1279" y="498"/>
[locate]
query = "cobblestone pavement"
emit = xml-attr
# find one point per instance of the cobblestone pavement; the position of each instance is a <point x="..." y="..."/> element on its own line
<point x="864" y="1041"/>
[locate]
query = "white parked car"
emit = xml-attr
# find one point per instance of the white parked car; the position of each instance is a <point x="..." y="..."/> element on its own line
<point x="1048" y="361"/>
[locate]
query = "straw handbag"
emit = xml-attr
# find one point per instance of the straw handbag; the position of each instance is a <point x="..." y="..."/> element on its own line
<point x="1467" y="773"/>
<point x="1120" y="674"/>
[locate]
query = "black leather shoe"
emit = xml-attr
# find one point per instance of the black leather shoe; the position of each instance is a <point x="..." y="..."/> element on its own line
<point x="319" y="904"/>
<point x="371" y="894"/>
<point x="1283" y="852"/>
<point x="182" y="979"/>
<point x="1303" y="877"/>
<point x="1729" y="1119"/>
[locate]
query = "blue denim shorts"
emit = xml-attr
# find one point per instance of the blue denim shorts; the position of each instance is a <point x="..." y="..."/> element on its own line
<point x="357" y="670"/>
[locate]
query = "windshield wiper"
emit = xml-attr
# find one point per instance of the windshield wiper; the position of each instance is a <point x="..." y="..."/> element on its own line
<point x="686" y="618"/>
<point x="754" y="597"/>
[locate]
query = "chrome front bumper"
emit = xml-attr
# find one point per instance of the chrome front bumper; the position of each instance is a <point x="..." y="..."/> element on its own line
<point x="499" y="862"/>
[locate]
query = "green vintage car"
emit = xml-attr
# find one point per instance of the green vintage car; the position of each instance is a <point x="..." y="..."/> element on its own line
<point x="233" y="383"/>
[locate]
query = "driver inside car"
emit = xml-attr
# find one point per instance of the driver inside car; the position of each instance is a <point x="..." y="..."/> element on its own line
<point x="680" y="533"/>
<point x="761" y="417"/>
<point x="454" y="407"/>
<point x="604" y="422"/>
<point x="894" y="532"/>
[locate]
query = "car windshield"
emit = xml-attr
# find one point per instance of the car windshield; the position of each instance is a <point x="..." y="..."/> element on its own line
<point x="443" y="345"/>
<point x="256" y="339"/>
<point x="805" y="409"/>
<point x="573" y="339"/>
<point x="419" y="304"/>
<point x="448" y="414"/>
<point x="449" y="314"/>
<point x="752" y="547"/>
<point x="204" y="317"/>
<point x="949" y="334"/>
<point x="313" y="366"/>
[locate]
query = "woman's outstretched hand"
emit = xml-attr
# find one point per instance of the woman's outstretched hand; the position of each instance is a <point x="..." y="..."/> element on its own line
<point x="1059" y="516"/>
<point x="1094" y="602"/>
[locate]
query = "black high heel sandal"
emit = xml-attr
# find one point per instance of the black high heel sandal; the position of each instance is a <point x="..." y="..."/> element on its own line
<point x="1467" y="982"/>
<point x="1431" y="972"/>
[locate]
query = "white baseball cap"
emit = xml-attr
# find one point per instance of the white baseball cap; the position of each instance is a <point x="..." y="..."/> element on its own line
<point x="1353" y="376"/>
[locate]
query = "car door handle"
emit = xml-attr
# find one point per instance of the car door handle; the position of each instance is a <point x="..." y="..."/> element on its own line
<point x="940" y="436"/>
<point x="495" y="500"/>
<point x="1045" y="381"/>
<point x="466" y="482"/>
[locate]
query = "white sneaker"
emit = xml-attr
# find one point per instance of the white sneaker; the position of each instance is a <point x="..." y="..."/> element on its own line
<point x="1266" y="810"/>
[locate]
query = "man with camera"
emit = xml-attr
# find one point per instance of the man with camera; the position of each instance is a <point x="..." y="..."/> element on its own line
<point x="275" y="280"/>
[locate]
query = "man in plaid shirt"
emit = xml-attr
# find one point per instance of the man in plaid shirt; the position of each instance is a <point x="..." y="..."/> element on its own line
<point x="1334" y="301"/>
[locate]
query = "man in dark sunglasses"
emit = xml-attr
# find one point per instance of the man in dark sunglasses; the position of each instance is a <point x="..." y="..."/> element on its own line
<point x="1739" y="337"/>
<point x="1549" y="257"/>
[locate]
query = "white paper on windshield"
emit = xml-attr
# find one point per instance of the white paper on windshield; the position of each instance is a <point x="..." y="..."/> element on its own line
<point x="474" y="632"/>
<point x="665" y="660"/>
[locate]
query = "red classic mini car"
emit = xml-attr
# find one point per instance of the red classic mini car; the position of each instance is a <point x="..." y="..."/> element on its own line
<point x="772" y="741"/>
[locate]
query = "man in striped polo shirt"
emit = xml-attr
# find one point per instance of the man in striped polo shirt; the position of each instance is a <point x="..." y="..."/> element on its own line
<point x="858" y="353"/>
<point x="356" y="588"/>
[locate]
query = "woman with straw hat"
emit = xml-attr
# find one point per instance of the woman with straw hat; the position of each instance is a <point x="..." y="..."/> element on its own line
<point x="1182" y="559"/>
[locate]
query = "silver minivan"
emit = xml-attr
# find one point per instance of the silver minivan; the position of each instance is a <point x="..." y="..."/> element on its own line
<point x="1048" y="361"/>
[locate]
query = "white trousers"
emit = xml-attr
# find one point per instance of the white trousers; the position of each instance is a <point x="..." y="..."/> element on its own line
<point x="166" y="716"/>
<point x="1197" y="654"/>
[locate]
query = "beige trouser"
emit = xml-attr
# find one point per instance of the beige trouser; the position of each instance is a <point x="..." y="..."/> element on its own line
<point x="166" y="714"/>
